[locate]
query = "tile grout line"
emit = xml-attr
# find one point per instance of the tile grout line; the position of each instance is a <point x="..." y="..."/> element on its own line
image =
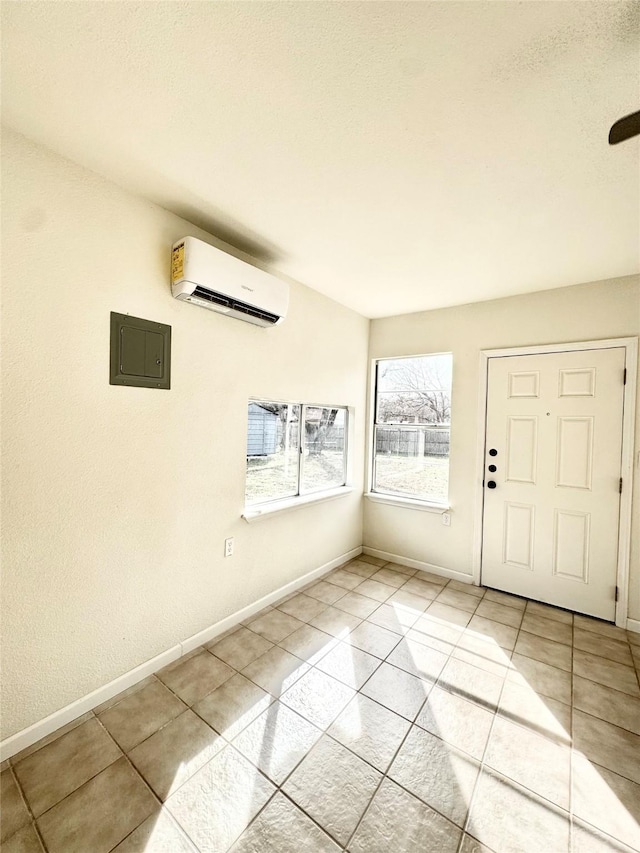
<point x="482" y="763"/>
<point x="27" y="805"/>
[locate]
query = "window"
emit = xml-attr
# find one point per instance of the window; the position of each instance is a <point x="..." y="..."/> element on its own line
<point x="294" y="449"/>
<point x="411" y="427"/>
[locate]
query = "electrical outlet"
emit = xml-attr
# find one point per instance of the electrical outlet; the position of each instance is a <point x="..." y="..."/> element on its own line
<point x="228" y="547"/>
<point x="446" y="519"/>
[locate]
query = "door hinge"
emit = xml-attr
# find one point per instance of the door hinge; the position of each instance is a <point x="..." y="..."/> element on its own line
<point x="617" y="593"/>
<point x="620" y="486"/>
<point x="624" y="377"/>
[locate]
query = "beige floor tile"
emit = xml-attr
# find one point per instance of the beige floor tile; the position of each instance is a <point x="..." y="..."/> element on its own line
<point x="606" y="800"/>
<point x="349" y="665"/>
<point x="542" y="677"/>
<point x="394" y="617"/>
<point x="240" y="648"/>
<point x="98" y="815"/>
<point x="192" y="679"/>
<point x="235" y="704"/>
<point x="399" y="822"/>
<point x="534" y="761"/>
<point x="25" y="840"/>
<point x="616" y="675"/>
<point x="409" y="600"/>
<point x="597" y="626"/>
<point x="588" y="839"/>
<point x="437" y="773"/>
<point x="375" y="561"/>
<point x="359" y="567"/>
<point x="403" y="570"/>
<point x="449" y="615"/>
<point x="418" y="659"/>
<point x="472" y="845"/>
<point x="336" y="622"/>
<point x="607" y="704"/>
<point x="303" y="607"/>
<point x="318" y="697"/>
<point x="49" y="775"/>
<point x="431" y="577"/>
<point x="499" y="613"/>
<point x="275" y="625"/>
<point x="633" y="638"/>
<point x="476" y="649"/>
<point x="276" y="741"/>
<point x="397" y="690"/>
<point x="356" y="604"/>
<point x="282" y="828"/>
<point x="34" y="747"/>
<point x="376" y="590"/>
<point x="374" y="639"/>
<point x="456" y="598"/>
<point x="309" y="644"/>
<point x="216" y="805"/>
<point x="547" y="651"/>
<point x="370" y="730"/>
<point x="471" y="683"/>
<point x="347" y="580"/>
<point x="14" y="810"/>
<point x="597" y="644"/>
<point x="334" y="787"/>
<point x="607" y="745"/>
<point x="171" y="756"/>
<point x="521" y="704"/>
<point x="141" y="714"/>
<point x="505" y="598"/>
<point x="276" y="670"/>
<point x="324" y="591"/>
<point x="426" y="589"/>
<point x="158" y="834"/>
<point x="428" y="628"/>
<point x="457" y="721"/>
<point x="467" y="588"/>
<point x="487" y="629"/>
<point x="536" y="608"/>
<point x="551" y="629"/>
<point x="507" y="817"/>
<point x="390" y="577"/>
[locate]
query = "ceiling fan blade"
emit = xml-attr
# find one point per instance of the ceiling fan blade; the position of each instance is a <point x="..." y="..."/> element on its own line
<point x="625" y="128"/>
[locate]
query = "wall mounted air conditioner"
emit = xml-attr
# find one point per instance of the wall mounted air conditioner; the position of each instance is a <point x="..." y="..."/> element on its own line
<point x="206" y="276"/>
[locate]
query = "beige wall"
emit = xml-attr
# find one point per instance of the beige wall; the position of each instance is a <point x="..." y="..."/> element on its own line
<point x="587" y="312"/>
<point x="116" y="501"/>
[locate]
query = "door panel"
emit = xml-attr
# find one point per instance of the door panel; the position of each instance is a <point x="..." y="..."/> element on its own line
<point x="550" y="527"/>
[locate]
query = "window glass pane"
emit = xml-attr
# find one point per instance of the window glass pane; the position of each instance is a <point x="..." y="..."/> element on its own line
<point x="414" y="390"/>
<point x="324" y="443"/>
<point x="413" y="419"/>
<point x="413" y="462"/>
<point x="273" y="451"/>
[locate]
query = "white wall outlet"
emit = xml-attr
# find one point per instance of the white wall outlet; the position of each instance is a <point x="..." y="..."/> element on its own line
<point x="446" y="519"/>
<point x="228" y="547"/>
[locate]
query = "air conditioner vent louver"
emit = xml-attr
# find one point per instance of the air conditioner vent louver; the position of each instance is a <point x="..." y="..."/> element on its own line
<point x="235" y="305"/>
<point x="213" y="279"/>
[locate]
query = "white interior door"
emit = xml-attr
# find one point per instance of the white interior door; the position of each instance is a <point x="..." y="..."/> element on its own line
<point x="552" y="503"/>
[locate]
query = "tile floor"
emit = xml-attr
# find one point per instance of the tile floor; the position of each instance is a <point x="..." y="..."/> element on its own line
<point x="381" y="710"/>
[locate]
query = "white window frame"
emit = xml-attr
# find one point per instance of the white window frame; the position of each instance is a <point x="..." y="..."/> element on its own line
<point x="302" y="497"/>
<point x="391" y="498"/>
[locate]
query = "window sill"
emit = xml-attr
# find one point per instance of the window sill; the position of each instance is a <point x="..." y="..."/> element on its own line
<point x="407" y="503"/>
<point x="257" y="513"/>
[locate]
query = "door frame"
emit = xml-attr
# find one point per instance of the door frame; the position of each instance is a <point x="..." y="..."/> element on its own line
<point x="626" y="469"/>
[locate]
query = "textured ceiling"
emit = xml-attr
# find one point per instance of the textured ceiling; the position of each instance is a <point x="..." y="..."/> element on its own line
<point x="395" y="156"/>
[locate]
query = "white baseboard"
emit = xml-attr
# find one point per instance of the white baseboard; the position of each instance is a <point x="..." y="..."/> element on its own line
<point x="633" y="625"/>
<point x="21" y="740"/>
<point x="32" y="734"/>
<point x="213" y="631"/>
<point x="419" y="564"/>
